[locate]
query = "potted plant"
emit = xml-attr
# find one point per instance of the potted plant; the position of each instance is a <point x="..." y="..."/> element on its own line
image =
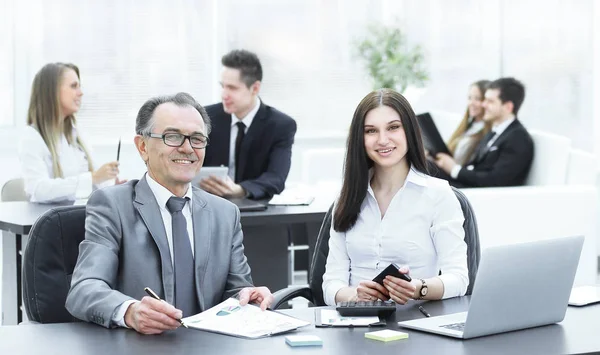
<point x="389" y="59"/>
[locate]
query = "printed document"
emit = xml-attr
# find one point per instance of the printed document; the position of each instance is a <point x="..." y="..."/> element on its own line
<point x="247" y="321"/>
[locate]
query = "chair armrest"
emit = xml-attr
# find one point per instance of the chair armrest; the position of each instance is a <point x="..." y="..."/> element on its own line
<point x="288" y="293"/>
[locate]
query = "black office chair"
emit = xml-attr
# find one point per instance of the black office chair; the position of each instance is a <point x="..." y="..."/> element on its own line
<point x="49" y="260"/>
<point x="314" y="292"/>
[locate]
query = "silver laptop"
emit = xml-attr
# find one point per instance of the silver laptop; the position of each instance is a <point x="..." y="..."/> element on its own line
<point x="518" y="286"/>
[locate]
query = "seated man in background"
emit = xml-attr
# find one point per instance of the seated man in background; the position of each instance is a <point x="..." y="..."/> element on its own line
<point x="162" y="233"/>
<point x="253" y="139"/>
<point x="503" y="157"/>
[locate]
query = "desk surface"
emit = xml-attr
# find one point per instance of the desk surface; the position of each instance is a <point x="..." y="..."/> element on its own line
<point x="576" y="334"/>
<point x="18" y="217"/>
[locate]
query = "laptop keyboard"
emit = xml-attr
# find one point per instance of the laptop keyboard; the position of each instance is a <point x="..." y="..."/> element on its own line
<point x="455" y="326"/>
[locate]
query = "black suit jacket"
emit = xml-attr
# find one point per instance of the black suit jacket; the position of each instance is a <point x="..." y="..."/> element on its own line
<point x="266" y="153"/>
<point x="505" y="163"/>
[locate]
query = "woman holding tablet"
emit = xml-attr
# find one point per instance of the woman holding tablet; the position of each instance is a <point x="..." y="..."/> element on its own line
<point x="55" y="163"/>
<point x="391" y="211"/>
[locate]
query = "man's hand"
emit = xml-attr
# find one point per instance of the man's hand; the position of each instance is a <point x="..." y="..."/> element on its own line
<point x="152" y="316"/>
<point x="222" y="187"/>
<point x="260" y="295"/>
<point x="444" y="162"/>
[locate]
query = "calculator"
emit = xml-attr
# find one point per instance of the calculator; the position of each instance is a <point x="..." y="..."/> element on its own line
<point x="366" y="308"/>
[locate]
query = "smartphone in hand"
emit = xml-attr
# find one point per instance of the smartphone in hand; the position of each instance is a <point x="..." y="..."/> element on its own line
<point x="391" y="270"/>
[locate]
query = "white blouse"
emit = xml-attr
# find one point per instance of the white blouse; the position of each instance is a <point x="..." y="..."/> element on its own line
<point x="422" y="228"/>
<point x="36" y="168"/>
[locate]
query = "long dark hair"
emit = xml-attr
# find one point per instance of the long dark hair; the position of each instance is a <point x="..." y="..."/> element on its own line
<point x="358" y="163"/>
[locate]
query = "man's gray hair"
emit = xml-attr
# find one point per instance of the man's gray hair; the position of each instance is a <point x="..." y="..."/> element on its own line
<point x="145" y="118"/>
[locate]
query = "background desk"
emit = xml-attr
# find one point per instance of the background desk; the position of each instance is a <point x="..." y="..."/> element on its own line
<point x="265" y="241"/>
<point x="575" y="335"/>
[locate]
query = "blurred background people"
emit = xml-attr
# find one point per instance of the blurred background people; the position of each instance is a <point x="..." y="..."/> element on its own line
<point x="55" y="163"/>
<point x="472" y="128"/>
<point x="251" y="138"/>
<point x="504" y="155"/>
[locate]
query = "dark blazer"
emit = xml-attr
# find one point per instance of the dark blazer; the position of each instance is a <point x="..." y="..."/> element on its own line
<point x="266" y="153"/>
<point x="125" y="249"/>
<point x="505" y="163"/>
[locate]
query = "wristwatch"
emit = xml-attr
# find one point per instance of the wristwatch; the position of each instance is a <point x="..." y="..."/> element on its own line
<point x="424" y="289"/>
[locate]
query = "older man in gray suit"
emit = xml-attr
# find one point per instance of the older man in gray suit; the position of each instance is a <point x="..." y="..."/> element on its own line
<point x="162" y="233"/>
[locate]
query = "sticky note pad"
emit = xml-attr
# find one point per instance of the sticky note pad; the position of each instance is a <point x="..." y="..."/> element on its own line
<point x="303" y="340"/>
<point x="386" y="335"/>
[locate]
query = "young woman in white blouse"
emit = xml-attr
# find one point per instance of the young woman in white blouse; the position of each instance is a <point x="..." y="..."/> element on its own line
<point x="55" y="164"/>
<point x="390" y="211"/>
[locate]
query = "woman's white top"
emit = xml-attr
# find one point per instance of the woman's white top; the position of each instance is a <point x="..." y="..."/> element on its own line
<point x="36" y="168"/>
<point x="464" y="147"/>
<point x="422" y="228"/>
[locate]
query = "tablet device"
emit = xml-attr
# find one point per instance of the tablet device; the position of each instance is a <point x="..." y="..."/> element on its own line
<point x="432" y="139"/>
<point x="206" y="171"/>
<point x="246" y="205"/>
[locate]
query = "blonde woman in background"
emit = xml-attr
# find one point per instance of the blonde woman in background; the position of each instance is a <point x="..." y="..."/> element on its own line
<point x="472" y="128"/>
<point x="55" y="163"/>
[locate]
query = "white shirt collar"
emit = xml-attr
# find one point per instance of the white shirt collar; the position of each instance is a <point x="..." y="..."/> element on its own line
<point x="414" y="177"/>
<point x="248" y="118"/>
<point x="499" y="129"/>
<point x="161" y="193"/>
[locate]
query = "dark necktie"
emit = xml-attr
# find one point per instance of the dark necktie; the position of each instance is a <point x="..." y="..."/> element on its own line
<point x="483" y="145"/>
<point x="183" y="260"/>
<point x="238" y="146"/>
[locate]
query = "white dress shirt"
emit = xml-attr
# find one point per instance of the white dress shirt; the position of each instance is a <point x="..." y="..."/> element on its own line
<point x="36" y="169"/>
<point x="498" y="130"/>
<point x="162" y="195"/>
<point x="233" y="135"/>
<point x="422" y="228"/>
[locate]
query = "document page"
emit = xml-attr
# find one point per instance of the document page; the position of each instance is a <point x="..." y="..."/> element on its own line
<point x="247" y="321"/>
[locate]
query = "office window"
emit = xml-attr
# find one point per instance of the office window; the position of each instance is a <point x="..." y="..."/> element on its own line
<point x="127" y="52"/>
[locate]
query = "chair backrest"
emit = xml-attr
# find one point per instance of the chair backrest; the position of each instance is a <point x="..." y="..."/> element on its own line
<point x="317" y="267"/>
<point x="14" y="190"/>
<point x="581" y="169"/>
<point x="49" y="260"/>
<point x="471" y="237"/>
<point x="550" y="159"/>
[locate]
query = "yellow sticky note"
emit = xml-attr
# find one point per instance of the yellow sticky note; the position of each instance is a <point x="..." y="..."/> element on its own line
<point x="386" y="335"/>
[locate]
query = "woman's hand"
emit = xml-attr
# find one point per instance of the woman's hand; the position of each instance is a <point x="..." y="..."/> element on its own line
<point x="371" y="291"/>
<point x="400" y="291"/>
<point x="108" y="171"/>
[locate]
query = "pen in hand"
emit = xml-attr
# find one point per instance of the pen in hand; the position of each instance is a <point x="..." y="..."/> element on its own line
<point x="155" y="296"/>
<point x="425" y="313"/>
<point x="119" y="149"/>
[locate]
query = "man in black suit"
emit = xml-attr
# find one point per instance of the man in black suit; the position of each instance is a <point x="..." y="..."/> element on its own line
<point x="503" y="157"/>
<point x="253" y="139"/>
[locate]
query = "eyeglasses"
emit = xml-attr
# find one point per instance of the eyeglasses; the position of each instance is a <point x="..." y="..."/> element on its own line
<point x="197" y="141"/>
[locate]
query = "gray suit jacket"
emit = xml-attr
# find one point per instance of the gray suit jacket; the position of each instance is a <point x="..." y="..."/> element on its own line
<point x="125" y="249"/>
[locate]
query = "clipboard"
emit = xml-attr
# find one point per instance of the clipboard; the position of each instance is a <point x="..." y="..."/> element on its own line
<point x="432" y="139"/>
<point x="324" y="318"/>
